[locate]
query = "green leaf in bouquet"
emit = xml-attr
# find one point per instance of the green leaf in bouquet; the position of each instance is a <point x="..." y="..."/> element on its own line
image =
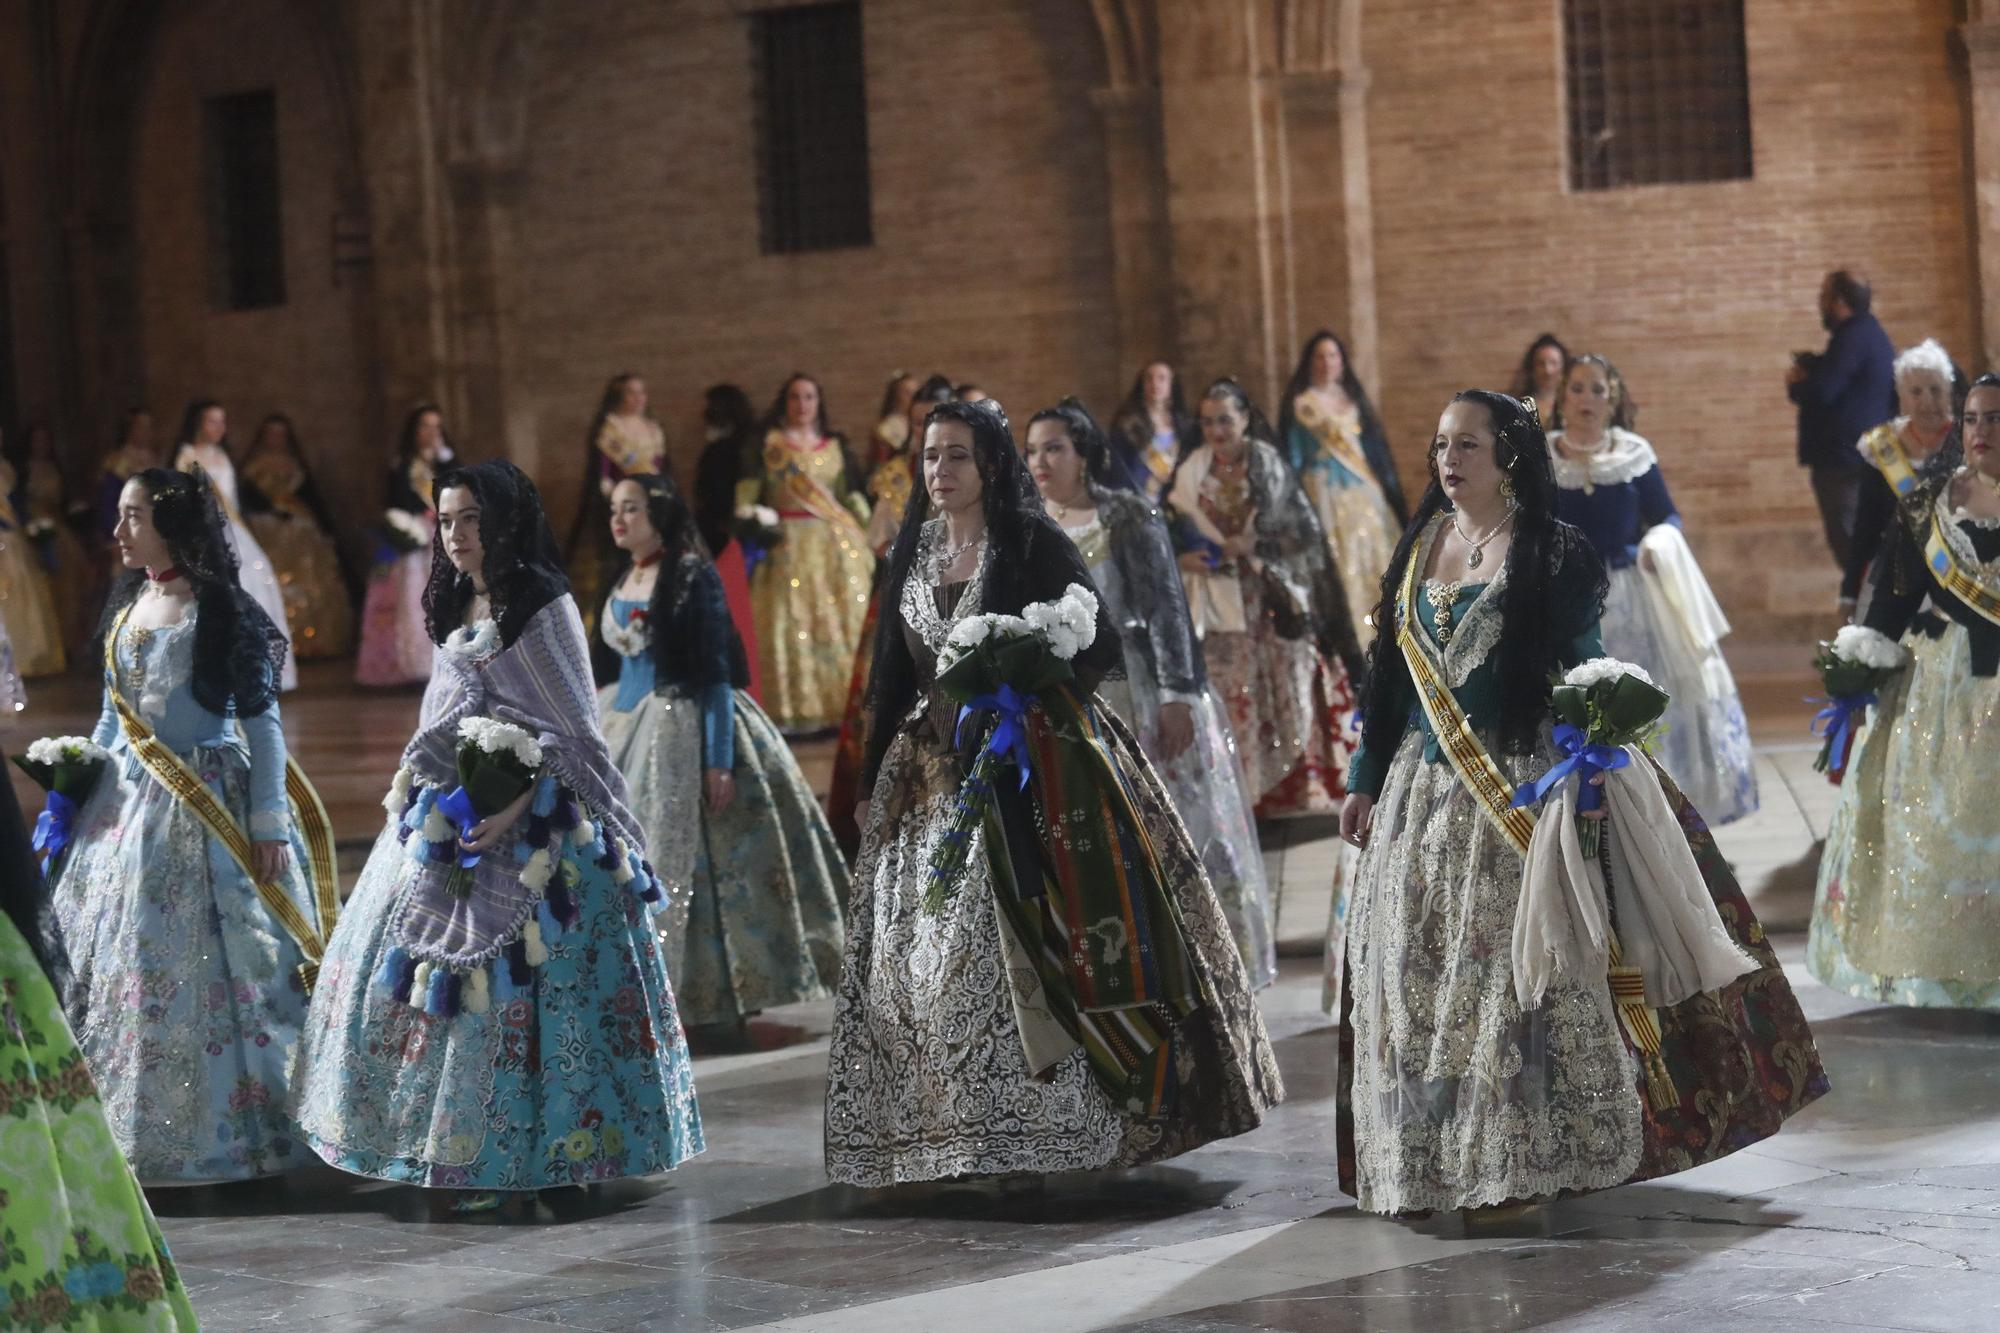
<point x="1841" y="677"/>
<point x="1572" y="705"/>
<point x="1629" y="706"/>
<point x="493" y="781"/>
<point x="34" y="768"/>
<point x="971" y="675"/>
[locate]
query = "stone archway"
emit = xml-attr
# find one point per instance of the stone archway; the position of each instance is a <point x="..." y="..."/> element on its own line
<point x="1236" y="144"/>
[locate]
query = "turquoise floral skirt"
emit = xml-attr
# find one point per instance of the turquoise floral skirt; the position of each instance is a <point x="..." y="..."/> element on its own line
<point x="581" y="1075"/>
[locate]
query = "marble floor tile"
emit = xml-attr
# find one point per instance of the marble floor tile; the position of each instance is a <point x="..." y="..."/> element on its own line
<point x="1878" y="1207"/>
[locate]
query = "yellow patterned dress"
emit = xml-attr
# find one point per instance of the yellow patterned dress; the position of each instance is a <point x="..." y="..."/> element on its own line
<point x="1361" y="528"/>
<point x="25" y="604"/>
<point x="1908" y="903"/>
<point x="810" y="593"/>
<point x="318" y="611"/>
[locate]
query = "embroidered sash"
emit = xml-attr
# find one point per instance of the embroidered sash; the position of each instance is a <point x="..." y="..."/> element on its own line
<point x="1494" y="796"/>
<point x="1334" y="440"/>
<point x="1953" y="576"/>
<point x="173" y="773"/>
<point x="781" y="462"/>
<point x="1885" y="451"/>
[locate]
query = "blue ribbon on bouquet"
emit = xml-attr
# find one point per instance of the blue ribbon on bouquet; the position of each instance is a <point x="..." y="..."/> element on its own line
<point x="1836" y="720"/>
<point x="1010" y="731"/>
<point x="456" y="805"/>
<point x="1581" y="758"/>
<point x="52" y="827"/>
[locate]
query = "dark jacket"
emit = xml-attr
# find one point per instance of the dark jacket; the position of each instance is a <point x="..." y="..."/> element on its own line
<point x="1848" y="389"/>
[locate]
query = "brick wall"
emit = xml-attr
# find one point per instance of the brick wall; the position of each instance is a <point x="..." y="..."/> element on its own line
<point x="639" y="220"/>
<point x="308" y="357"/>
<point x="1697" y="292"/>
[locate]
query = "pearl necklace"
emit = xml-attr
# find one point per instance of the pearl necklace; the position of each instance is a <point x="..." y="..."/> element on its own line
<point x="1477" y="556"/>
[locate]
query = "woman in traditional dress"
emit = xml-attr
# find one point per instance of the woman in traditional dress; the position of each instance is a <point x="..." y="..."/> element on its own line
<point x="754" y="881"/>
<point x="891" y="435"/>
<point x="291" y="522"/>
<point x="1152" y="429"/>
<point x="810" y="591"/>
<point x="1908" y="905"/>
<point x="1918" y="446"/>
<point x="1544" y="368"/>
<point x="134" y="453"/>
<point x="1660" y="613"/>
<point x="46" y="510"/>
<point x="395" y="640"/>
<point x="510" y="1027"/>
<point x="1453" y="1092"/>
<point x="1161" y="689"/>
<point x="889" y="486"/>
<point x="1269" y="606"/>
<point x="963" y="1044"/>
<point x="204" y="443"/>
<point x="623" y="441"/>
<point x="200" y="878"/>
<point x="26" y="605"/>
<point x="1333" y="439"/>
<point x="83" y="1249"/>
<point x="729" y="425"/>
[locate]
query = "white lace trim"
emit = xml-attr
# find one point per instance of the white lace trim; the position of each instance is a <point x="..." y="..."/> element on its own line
<point x="479" y="639"/>
<point x="1625" y="457"/>
<point x="919" y="607"/>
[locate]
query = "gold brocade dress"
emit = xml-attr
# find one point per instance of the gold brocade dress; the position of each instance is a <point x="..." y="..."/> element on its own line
<point x="318" y="610"/>
<point x="1908" y="903"/>
<point x="1360" y="526"/>
<point x="810" y="593"/>
<point x="25" y="604"/>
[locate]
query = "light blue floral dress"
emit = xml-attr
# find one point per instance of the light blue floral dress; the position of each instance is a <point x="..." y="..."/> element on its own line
<point x="754" y="892"/>
<point x="186" y="996"/>
<point x="526" y="1035"/>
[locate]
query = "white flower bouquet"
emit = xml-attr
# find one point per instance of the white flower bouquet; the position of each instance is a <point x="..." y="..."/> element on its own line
<point x="1852" y="667"/>
<point x="1601" y="707"/>
<point x="67" y="768"/>
<point x="497" y="763"/>
<point x="1003" y="665"/>
<point x="404" y="532"/>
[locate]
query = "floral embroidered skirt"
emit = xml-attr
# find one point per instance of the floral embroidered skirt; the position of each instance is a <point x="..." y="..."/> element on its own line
<point x="755" y="892"/>
<point x="811" y="597"/>
<point x="1706" y="748"/>
<point x="582" y="1076"/>
<point x="928" y="1076"/>
<point x="395" y="647"/>
<point x="186" y="997"/>
<point x="1208" y="790"/>
<point x="1452" y="1095"/>
<point x="1291" y="712"/>
<point x="1908" y="907"/>
<point x="83" y="1250"/>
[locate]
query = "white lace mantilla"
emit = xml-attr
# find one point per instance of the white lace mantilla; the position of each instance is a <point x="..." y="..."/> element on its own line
<point x="1624" y="457"/>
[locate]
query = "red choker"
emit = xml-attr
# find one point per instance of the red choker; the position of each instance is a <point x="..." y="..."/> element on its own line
<point x="167" y="575"/>
<point x="647" y="562"/>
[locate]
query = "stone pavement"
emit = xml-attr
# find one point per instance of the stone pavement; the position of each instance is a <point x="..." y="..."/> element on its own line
<point x="1878" y="1207"/>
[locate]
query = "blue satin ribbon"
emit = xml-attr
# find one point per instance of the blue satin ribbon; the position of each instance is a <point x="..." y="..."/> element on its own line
<point x="52" y="827"/>
<point x="1010" y="732"/>
<point x="456" y="805"/>
<point x="1836" y="720"/>
<point x="1583" y="759"/>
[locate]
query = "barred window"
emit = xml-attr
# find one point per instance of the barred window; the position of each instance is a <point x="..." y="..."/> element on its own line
<point x="812" y="129"/>
<point x="1659" y="92"/>
<point x="246" y="246"/>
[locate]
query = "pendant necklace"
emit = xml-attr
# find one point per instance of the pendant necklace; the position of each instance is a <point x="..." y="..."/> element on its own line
<point x="1479" y="544"/>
